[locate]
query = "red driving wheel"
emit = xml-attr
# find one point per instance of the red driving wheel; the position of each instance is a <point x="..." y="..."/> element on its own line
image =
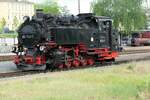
<point x="61" y="66"/>
<point x="83" y="62"/>
<point x="68" y="64"/>
<point x="76" y="63"/>
<point x="91" y="62"/>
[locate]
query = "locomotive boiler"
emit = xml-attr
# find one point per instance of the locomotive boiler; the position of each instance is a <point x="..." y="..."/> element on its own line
<point x="56" y="42"/>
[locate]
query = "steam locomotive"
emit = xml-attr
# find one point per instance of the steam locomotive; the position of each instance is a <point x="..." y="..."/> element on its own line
<point x="57" y="42"/>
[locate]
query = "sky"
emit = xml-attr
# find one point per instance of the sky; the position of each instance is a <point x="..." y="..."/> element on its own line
<point x="147" y="3"/>
<point x="72" y="5"/>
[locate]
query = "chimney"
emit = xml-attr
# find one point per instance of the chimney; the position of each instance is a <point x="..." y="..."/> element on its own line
<point x="39" y="13"/>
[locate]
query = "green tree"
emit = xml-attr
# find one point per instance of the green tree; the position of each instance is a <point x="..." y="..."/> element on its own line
<point x="15" y="23"/>
<point x="128" y="15"/>
<point x="2" y="24"/>
<point x="49" y="6"/>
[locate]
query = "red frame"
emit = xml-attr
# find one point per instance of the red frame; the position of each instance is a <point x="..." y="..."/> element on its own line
<point x="103" y="53"/>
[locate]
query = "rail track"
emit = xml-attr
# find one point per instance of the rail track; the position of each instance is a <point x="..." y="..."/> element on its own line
<point x="20" y="73"/>
<point x="126" y="52"/>
<point x="134" y="51"/>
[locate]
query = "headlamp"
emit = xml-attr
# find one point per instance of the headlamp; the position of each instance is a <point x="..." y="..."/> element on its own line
<point x="42" y="48"/>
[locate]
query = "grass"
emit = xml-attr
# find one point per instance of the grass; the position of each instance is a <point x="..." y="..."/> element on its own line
<point x="121" y="82"/>
<point x="9" y="35"/>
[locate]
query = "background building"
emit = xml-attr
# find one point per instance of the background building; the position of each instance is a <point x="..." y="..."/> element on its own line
<point x="13" y="12"/>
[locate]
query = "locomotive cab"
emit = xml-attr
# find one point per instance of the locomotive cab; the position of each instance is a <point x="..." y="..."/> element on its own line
<point x="100" y="38"/>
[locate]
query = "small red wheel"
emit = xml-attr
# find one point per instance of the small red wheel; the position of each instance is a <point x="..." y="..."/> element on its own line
<point x="76" y="63"/>
<point x="90" y="62"/>
<point x="68" y="64"/>
<point x="60" y="66"/>
<point x="83" y="62"/>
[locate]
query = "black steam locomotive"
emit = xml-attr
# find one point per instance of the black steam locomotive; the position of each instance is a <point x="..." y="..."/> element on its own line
<point x="57" y="42"/>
